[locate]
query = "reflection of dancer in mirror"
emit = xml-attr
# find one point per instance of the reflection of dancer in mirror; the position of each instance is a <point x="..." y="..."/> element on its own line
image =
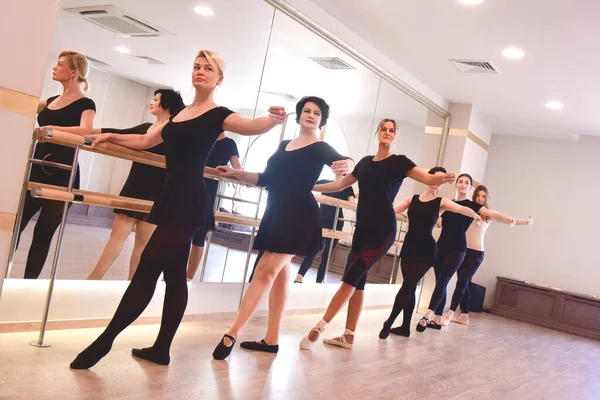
<point x="290" y="224"/>
<point x="181" y="209"/>
<point x="70" y="112"/>
<point x="328" y="217"/>
<point x="225" y="151"/>
<point x="472" y="261"/>
<point x="144" y="182"/>
<point x="452" y="246"/>
<point x="379" y="178"/>
<point x="419" y="248"/>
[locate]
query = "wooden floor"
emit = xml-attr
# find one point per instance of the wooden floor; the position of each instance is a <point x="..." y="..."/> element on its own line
<point x="494" y="358"/>
<point x="83" y="244"/>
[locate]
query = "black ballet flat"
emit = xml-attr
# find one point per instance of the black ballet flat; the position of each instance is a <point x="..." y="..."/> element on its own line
<point x="434" y="325"/>
<point x="260" y="346"/>
<point x="401" y="331"/>
<point x="421" y="328"/>
<point x="221" y="351"/>
<point x="385" y="332"/>
<point x="149" y="354"/>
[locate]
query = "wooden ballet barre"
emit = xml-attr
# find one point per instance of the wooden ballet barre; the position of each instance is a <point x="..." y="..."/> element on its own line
<point x="331" y="201"/>
<point x="236" y="219"/>
<point x="96" y="199"/>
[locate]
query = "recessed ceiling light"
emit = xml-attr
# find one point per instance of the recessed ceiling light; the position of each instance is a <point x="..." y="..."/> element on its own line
<point x="513" y="53"/>
<point x="555" y="105"/>
<point x="122" y="50"/>
<point x="203" y="10"/>
<point x="471" y="2"/>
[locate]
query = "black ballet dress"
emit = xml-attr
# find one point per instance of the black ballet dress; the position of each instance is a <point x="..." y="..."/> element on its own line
<point x="144" y="181"/>
<point x="184" y="199"/>
<point x="419" y="244"/>
<point x="291" y="222"/>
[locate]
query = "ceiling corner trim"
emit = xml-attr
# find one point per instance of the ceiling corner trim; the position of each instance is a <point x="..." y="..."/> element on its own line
<point x="303" y="19"/>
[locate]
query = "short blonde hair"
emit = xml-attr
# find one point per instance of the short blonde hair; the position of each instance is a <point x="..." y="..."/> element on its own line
<point x="214" y="59"/>
<point x="79" y="62"/>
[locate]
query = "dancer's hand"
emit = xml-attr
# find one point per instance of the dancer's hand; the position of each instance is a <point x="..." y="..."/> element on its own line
<point x="478" y="220"/>
<point x="449" y="177"/>
<point x="229" y="172"/>
<point x="511" y="222"/>
<point x="99" y="138"/>
<point x="39" y="131"/>
<point x="340" y="167"/>
<point x="277" y="114"/>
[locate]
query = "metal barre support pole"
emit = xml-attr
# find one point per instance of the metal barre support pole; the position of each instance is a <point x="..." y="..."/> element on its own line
<point x="337" y="210"/>
<point x="250" y="248"/>
<point x="209" y="240"/>
<point x="40" y="342"/>
<point x="19" y="216"/>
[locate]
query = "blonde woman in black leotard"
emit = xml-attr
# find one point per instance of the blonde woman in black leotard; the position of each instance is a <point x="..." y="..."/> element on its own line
<point x="182" y="208"/>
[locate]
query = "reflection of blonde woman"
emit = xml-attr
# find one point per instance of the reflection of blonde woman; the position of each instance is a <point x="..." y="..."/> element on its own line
<point x="70" y="112"/>
<point x="144" y="182"/>
<point x="182" y="208"/>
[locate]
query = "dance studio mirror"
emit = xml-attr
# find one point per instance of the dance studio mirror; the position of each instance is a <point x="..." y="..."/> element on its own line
<point x="271" y="60"/>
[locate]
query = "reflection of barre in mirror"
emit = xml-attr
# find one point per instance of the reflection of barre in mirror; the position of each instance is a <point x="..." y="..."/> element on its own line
<point x="181" y="209"/>
<point x="379" y="179"/>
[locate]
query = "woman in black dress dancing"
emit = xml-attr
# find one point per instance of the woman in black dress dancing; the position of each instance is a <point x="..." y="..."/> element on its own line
<point x="70" y="112"/>
<point x="419" y="248"/>
<point x="225" y="151"/>
<point x="144" y="182"/>
<point x="452" y="247"/>
<point x="290" y="175"/>
<point x="182" y="208"/>
<point x="379" y="178"/>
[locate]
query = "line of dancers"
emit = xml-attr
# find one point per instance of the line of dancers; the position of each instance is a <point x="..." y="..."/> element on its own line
<point x="183" y="213"/>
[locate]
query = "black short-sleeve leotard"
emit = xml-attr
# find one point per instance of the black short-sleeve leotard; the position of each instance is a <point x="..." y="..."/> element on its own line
<point x="291" y="222"/>
<point x="454" y="227"/>
<point x="144" y="181"/>
<point x="419" y="245"/>
<point x="184" y="200"/>
<point x="67" y="116"/>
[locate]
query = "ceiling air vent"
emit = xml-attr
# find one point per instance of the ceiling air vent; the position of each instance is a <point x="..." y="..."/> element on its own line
<point x="150" y="60"/>
<point x="332" y="62"/>
<point x="475" y="67"/>
<point x="119" y="21"/>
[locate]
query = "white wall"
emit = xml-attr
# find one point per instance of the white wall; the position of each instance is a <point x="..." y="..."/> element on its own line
<point x="556" y="182"/>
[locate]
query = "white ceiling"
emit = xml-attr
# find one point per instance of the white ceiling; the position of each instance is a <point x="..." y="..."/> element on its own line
<point x="560" y="39"/>
<point x="239" y="31"/>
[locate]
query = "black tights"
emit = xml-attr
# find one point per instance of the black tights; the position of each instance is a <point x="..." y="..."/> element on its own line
<point x="445" y="266"/>
<point x="412" y="272"/>
<point x="308" y="260"/>
<point x="166" y="252"/>
<point x="45" y="227"/>
<point x="368" y="247"/>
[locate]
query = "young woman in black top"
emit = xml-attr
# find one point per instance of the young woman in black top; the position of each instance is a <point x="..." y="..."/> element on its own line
<point x="225" y="151"/>
<point x="181" y="209"/>
<point x="290" y="175"/>
<point x="419" y="248"/>
<point x="452" y="247"/>
<point x="379" y="178"/>
<point x="328" y="217"/>
<point x="70" y="112"/>
<point x="143" y="182"/>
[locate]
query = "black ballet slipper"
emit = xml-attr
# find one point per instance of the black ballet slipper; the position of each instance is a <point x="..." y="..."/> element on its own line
<point x="421" y="328"/>
<point x="149" y="354"/>
<point x="91" y="355"/>
<point x="434" y="325"/>
<point x="401" y="331"/>
<point x="294" y="282"/>
<point x="260" y="346"/>
<point x="222" y="351"/>
<point x="385" y="331"/>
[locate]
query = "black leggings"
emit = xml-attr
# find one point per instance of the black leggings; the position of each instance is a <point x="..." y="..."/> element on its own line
<point x="166" y="252"/>
<point x="308" y="260"/>
<point x="45" y="227"/>
<point x="368" y="247"/>
<point x="446" y="264"/>
<point x="469" y="266"/>
<point x="412" y="272"/>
